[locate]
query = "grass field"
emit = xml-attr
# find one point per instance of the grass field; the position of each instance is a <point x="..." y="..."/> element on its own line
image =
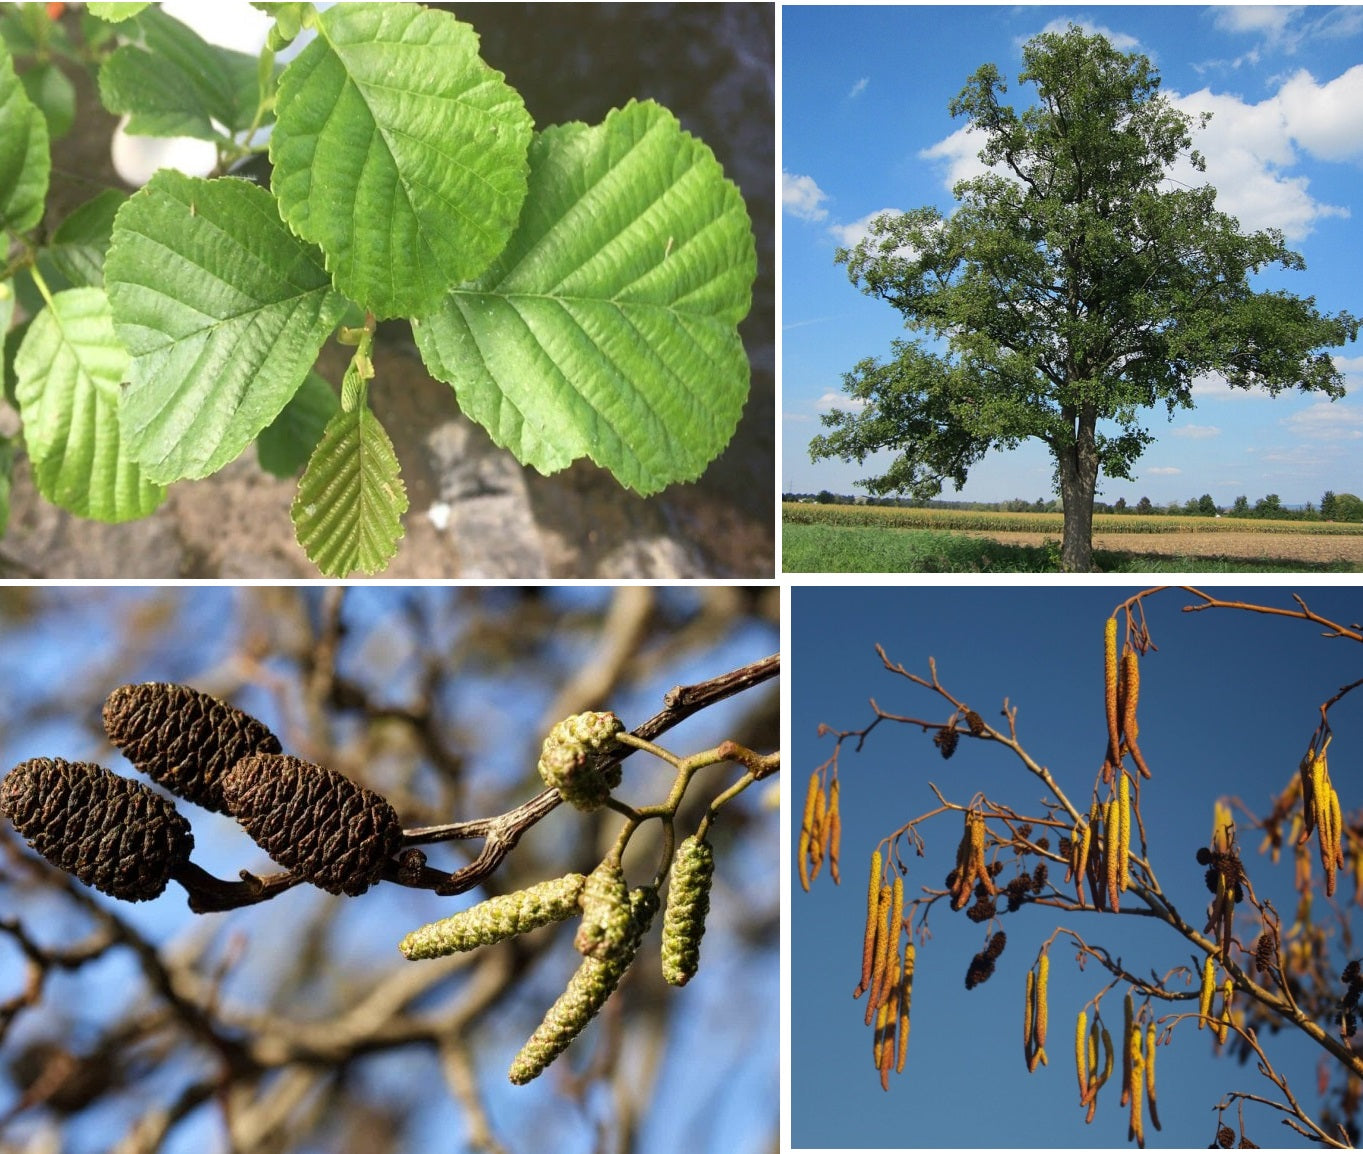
<point x="877" y="539"/>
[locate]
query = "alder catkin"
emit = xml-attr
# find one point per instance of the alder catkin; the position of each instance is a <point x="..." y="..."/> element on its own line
<point x="1124" y="831"/>
<point x="807" y="829"/>
<point x="314" y="821"/>
<point x="1110" y="690"/>
<point x="183" y="739"/>
<point x="1204" y="1005"/>
<point x="1150" y="1073"/>
<point x="868" y="946"/>
<point x="882" y="955"/>
<point x="1135" y="1128"/>
<point x="1042" y="982"/>
<point x="1028" y="1020"/>
<point x="1112" y="852"/>
<point x="1131" y="690"/>
<point x="818" y="834"/>
<point x="117" y="835"/>
<point x="570" y="758"/>
<point x="688" y="901"/>
<point x="1128" y="1029"/>
<point x="606" y="916"/>
<point x="834" y="841"/>
<point x="905" y="1000"/>
<point x="1081" y="1054"/>
<point x="497" y="918"/>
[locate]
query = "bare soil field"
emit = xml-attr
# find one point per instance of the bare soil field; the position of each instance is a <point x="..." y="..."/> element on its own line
<point x="1282" y="546"/>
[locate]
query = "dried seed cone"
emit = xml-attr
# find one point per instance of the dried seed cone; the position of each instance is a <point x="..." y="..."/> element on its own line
<point x="498" y="918"/>
<point x="688" y="901"/>
<point x="314" y="821"/>
<point x="183" y="739"/>
<point x="606" y="916"/>
<point x="112" y="833"/>
<point x="568" y="759"/>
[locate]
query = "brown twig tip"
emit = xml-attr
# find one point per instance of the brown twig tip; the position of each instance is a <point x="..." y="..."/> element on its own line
<point x="314" y="821"/>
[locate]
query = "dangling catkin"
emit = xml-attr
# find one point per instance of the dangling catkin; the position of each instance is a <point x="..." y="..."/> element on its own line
<point x="1042" y="980"/>
<point x="882" y="958"/>
<point x="1128" y="1029"/>
<point x="1223" y="1023"/>
<point x="1124" y="831"/>
<point x="1081" y="1054"/>
<point x="1150" y="1072"/>
<point x="1082" y="859"/>
<point x="818" y="839"/>
<point x="868" y="947"/>
<point x="1135" y="1128"/>
<point x="834" y="832"/>
<point x="905" y="999"/>
<point x="1131" y="691"/>
<point x="1204" y="1005"/>
<point x="1028" y="1015"/>
<point x="1110" y="690"/>
<point x="807" y="829"/>
<point x="1112" y="850"/>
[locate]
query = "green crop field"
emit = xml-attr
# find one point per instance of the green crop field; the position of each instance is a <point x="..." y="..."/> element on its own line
<point x="880" y="539"/>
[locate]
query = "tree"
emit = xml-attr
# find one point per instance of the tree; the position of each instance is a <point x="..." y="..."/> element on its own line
<point x="1119" y="506"/>
<point x="1241" y="507"/>
<point x="288" y="1019"/>
<point x="1143" y="506"/>
<point x="826" y="498"/>
<point x="1072" y="288"/>
<point x="1327" y="505"/>
<point x="1206" y="506"/>
<point x="1348" y="507"/>
<point x="1268" y="507"/>
<point x="1199" y="889"/>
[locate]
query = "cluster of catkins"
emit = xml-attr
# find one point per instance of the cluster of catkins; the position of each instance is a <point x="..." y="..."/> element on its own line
<point x="128" y="841"/>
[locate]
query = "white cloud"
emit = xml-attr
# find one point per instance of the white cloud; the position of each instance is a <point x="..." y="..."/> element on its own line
<point x="1325" y="119"/>
<point x="802" y="197"/>
<point x="831" y="399"/>
<point x="1119" y="40"/>
<point x="851" y="235"/>
<point x="1196" y="432"/>
<point x="1163" y="471"/>
<point x="859" y="87"/>
<point x="796" y="418"/>
<point x="1326" y="421"/>
<point x="1270" y="21"/>
<point x="959" y="155"/>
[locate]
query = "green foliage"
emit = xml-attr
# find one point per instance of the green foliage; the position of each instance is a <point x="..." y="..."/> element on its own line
<point x="579" y="287"/>
<point x="1348" y="508"/>
<point x="1066" y="301"/>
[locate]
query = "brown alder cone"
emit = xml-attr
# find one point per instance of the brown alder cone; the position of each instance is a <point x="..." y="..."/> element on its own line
<point x="313" y="821"/>
<point x="183" y="739"/>
<point x="117" y="835"/>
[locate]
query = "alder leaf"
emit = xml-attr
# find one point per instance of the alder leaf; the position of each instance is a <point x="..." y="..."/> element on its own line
<point x="608" y="327"/>
<point x="25" y="160"/>
<point x="351" y="498"/>
<point x="399" y="152"/>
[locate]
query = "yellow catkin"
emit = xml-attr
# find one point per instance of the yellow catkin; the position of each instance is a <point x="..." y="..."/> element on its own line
<point x="1107" y="1059"/>
<point x="1305" y="771"/>
<point x="807" y="829"/>
<point x="1223" y="1023"/>
<point x="881" y="981"/>
<point x="1320" y="800"/>
<point x="1204" y="1005"/>
<point x="1082" y="861"/>
<point x="1042" y="980"/>
<point x="1221" y="823"/>
<point x="905" y="1002"/>
<point x="834" y="832"/>
<point x="1028" y="1017"/>
<point x="1135" y="1128"/>
<point x="1337" y="827"/>
<point x="1081" y="1063"/>
<point x="882" y="957"/>
<point x="1124" y="832"/>
<point x="1110" y="690"/>
<point x="882" y="1021"/>
<point x="1128" y="1029"/>
<point x="817" y="839"/>
<point x="1150" y="1073"/>
<point x="1131" y="691"/>
<point x="868" y="946"/>
<point x="1111" y="848"/>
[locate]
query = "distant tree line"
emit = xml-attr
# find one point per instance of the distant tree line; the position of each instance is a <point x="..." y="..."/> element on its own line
<point x="1333" y="506"/>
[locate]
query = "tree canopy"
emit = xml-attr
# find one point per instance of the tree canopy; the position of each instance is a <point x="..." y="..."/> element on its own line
<point x="1074" y="284"/>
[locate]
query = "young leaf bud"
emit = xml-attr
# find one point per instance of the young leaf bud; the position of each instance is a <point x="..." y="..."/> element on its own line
<point x="183" y="739"/>
<point x="115" y="834"/>
<point x="568" y="759"/>
<point x="688" y="901"/>
<point x="313" y="821"/>
<point x="497" y="919"/>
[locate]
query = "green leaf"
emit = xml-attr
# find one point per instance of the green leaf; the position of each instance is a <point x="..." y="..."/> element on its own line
<point x="68" y="372"/>
<point x="284" y="446"/>
<point x="6" y="480"/>
<point x="77" y="250"/>
<point x="115" y="12"/>
<point x="400" y="153"/>
<point x="351" y="497"/>
<point x="223" y="310"/>
<point x="172" y="82"/>
<point x="52" y="91"/>
<point x="608" y="328"/>
<point x="25" y="162"/>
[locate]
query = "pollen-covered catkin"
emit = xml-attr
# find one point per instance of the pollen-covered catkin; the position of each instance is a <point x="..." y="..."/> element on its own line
<point x="497" y="918"/>
<point x="1128" y="1030"/>
<point x="606" y="916"/>
<point x="807" y="829"/>
<point x="1028" y="1018"/>
<point x="1042" y="982"/>
<point x="868" y="947"/>
<point x="1150" y="1072"/>
<point x="881" y="982"/>
<point x="1131" y="691"/>
<point x="1082" y="861"/>
<point x="688" y="901"/>
<point x="1112" y="850"/>
<point x="882" y="954"/>
<point x="834" y="841"/>
<point x="1223" y="1023"/>
<point x="1081" y="1054"/>
<point x="1110" y="689"/>
<point x="1135" y="1128"/>
<point x="1204" y="1005"/>
<point x="905" y="1001"/>
<point x="818" y="836"/>
<point x="1124" y="831"/>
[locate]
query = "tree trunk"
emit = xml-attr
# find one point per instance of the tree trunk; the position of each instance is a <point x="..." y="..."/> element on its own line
<point x="1078" y="467"/>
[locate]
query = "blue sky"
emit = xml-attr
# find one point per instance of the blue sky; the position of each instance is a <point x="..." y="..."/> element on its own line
<point x="865" y="128"/>
<point x="1228" y="704"/>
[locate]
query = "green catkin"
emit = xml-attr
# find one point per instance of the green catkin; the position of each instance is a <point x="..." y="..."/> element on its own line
<point x="589" y="987"/>
<point x="569" y="756"/>
<point x="605" y="922"/>
<point x="497" y="919"/>
<point x="688" y="901"/>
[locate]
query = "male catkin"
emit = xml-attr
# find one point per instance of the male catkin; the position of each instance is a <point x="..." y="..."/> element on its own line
<point x="497" y="918"/>
<point x="688" y="901"/>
